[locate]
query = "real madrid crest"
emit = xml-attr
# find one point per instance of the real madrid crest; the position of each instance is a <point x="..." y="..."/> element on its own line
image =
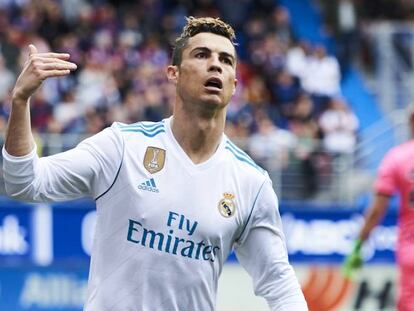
<point x="226" y="205"/>
<point x="154" y="159"/>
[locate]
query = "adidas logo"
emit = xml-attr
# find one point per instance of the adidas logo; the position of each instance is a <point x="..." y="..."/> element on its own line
<point x="149" y="185"/>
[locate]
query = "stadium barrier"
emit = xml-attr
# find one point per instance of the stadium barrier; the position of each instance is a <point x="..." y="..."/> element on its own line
<point x="322" y="177"/>
<point x="44" y="258"/>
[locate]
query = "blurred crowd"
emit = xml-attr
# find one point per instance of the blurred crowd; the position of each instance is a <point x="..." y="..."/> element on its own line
<point x="349" y="21"/>
<point x="288" y="96"/>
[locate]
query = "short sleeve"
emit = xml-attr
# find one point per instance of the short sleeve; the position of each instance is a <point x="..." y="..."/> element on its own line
<point x="386" y="181"/>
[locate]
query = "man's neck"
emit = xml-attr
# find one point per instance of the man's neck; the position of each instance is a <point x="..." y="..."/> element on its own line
<point x="198" y="136"/>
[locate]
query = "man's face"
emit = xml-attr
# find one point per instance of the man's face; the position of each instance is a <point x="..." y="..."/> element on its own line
<point x="207" y="73"/>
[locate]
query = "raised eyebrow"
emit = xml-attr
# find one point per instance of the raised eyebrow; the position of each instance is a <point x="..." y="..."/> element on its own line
<point x="206" y="49"/>
<point x="201" y="49"/>
<point x="225" y="54"/>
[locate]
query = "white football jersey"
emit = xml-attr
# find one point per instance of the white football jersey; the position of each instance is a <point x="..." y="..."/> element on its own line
<point x="165" y="225"/>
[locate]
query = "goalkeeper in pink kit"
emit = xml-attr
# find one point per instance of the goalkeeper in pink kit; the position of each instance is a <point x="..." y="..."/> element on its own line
<point x="395" y="175"/>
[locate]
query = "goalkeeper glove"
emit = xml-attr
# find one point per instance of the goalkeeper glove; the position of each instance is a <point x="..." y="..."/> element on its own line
<point x="353" y="261"/>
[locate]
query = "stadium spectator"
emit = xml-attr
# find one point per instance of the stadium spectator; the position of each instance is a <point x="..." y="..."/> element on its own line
<point x="41" y="112"/>
<point x="143" y="177"/>
<point x="235" y="11"/>
<point x="338" y="126"/>
<point x="67" y="114"/>
<point x="270" y="145"/>
<point x="297" y="59"/>
<point x="4" y="113"/>
<point x="395" y="175"/>
<point x="302" y="123"/>
<point x="10" y="37"/>
<point x="7" y="79"/>
<point x="280" y="25"/>
<point x="285" y="90"/>
<point x="305" y="128"/>
<point x="96" y="85"/>
<point x="321" y="78"/>
<point x="342" y="19"/>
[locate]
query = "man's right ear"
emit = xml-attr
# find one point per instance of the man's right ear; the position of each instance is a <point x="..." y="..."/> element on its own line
<point x="172" y="73"/>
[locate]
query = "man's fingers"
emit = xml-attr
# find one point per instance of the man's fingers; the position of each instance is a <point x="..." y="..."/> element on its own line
<point x="45" y="63"/>
<point x="57" y="66"/>
<point x="44" y="74"/>
<point x="46" y="60"/>
<point x="58" y="73"/>
<point x="53" y="55"/>
<point x="32" y="49"/>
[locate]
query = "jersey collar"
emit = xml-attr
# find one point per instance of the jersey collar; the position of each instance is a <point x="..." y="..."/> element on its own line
<point x="185" y="159"/>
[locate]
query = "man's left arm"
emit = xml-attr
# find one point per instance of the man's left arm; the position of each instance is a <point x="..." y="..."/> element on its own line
<point x="261" y="250"/>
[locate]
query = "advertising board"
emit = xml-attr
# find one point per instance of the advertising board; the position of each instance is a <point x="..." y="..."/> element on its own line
<point x="44" y="260"/>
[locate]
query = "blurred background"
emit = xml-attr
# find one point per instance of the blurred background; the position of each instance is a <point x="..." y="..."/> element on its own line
<point x="322" y="95"/>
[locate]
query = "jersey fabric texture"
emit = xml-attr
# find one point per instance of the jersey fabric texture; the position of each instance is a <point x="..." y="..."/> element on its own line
<point x="396" y="174"/>
<point x="165" y="225"/>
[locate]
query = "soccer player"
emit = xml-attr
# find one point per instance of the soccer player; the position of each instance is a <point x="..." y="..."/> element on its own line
<point x="396" y="174"/>
<point x="173" y="197"/>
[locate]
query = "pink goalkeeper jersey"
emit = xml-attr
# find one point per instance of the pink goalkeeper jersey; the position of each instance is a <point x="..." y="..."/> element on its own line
<point x="396" y="174"/>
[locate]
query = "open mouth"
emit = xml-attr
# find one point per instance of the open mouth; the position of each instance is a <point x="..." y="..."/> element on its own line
<point x="214" y="83"/>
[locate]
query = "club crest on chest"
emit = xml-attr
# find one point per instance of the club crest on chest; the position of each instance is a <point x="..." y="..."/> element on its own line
<point x="226" y="205"/>
<point x="154" y="159"/>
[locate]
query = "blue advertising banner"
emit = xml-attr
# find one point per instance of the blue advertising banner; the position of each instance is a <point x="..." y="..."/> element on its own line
<point x="45" y="249"/>
<point x="40" y="289"/>
<point x="72" y="233"/>
<point x="16" y="234"/>
<point x="45" y="234"/>
<point x="326" y="236"/>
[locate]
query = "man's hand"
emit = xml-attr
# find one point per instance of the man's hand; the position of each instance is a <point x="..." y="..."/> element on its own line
<point x="38" y="68"/>
<point x="353" y="261"/>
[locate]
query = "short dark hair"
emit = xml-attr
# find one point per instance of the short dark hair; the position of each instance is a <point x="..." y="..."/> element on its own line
<point x="197" y="25"/>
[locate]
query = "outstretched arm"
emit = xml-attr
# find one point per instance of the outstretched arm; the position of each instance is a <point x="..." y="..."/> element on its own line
<point x="39" y="66"/>
<point x="373" y="216"/>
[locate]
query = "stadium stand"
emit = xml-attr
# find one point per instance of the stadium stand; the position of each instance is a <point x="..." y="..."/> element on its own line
<point x="121" y="54"/>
